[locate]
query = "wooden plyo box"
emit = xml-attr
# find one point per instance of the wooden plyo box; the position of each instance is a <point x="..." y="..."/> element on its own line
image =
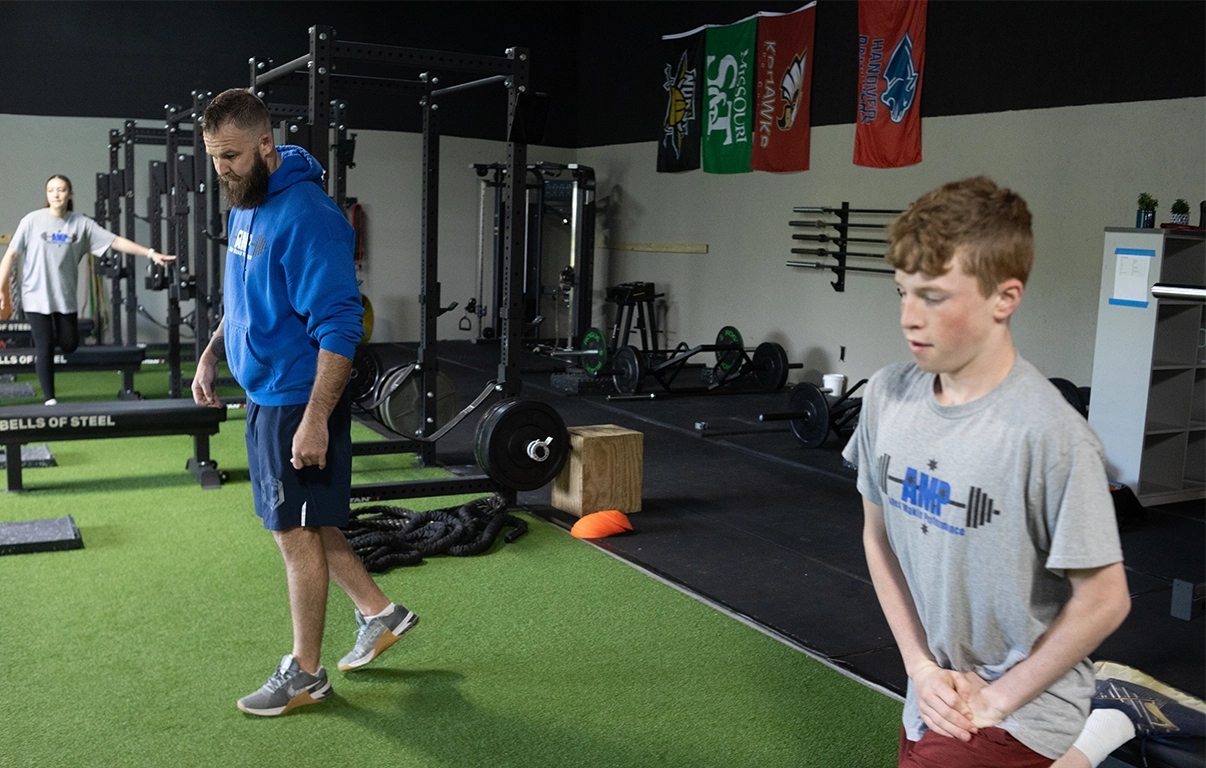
<point x="603" y="471"/>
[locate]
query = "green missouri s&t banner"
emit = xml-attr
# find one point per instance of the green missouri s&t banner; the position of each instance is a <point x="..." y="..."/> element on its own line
<point x="729" y="74"/>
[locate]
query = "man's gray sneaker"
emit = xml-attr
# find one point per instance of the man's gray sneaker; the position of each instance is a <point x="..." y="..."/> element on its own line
<point x="288" y="688"/>
<point x="377" y="634"/>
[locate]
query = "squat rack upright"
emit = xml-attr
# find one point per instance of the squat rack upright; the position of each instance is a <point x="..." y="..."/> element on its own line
<point x="317" y="69"/>
<point x="176" y="176"/>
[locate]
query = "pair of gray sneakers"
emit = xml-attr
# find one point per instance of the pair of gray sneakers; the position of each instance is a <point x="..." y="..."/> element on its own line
<point x="291" y="687"/>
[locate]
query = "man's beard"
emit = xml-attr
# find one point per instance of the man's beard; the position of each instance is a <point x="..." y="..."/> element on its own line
<point x="249" y="191"/>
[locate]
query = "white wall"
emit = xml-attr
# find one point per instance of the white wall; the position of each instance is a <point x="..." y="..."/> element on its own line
<point x="1079" y="168"/>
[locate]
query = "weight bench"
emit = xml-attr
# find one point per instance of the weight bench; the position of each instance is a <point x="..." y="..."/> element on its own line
<point x="93" y="357"/>
<point x="21" y="424"/>
<point x="16" y="333"/>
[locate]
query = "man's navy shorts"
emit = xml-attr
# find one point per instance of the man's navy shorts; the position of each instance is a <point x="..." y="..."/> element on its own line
<point x="286" y="497"/>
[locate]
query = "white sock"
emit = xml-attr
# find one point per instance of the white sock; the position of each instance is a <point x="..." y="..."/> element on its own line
<point x="52" y="401"/>
<point x="388" y="610"/>
<point x="1104" y="731"/>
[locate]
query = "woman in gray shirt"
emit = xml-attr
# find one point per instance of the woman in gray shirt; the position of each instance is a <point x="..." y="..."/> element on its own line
<point x="51" y="242"/>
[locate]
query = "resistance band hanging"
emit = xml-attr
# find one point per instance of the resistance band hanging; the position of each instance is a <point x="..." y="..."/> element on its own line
<point x="356" y="217"/>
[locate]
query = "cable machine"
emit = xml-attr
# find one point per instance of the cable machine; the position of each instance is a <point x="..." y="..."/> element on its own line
<point x="568" y="193"/>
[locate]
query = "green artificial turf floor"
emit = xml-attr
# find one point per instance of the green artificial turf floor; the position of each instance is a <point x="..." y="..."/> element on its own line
<point x="542" y="652"/>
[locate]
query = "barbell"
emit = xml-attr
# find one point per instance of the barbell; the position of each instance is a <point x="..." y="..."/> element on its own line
<point x="812" y="416"/>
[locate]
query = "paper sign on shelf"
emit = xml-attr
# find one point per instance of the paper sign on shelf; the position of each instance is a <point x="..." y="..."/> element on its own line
<point x="1130" y="276"/>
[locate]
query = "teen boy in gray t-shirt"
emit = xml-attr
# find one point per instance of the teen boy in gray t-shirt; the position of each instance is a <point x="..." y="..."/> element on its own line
<point x="989" y="529"/>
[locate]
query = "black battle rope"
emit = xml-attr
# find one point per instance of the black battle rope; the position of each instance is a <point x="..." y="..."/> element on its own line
<point x="384" y="537"/>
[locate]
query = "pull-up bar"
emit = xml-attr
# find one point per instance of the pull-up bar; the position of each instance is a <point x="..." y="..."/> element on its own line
<point x="468" y="85"/>
<point x="276" y="73"/>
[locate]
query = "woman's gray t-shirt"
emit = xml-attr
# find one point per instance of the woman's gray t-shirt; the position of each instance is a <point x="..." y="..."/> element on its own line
<point x="51" y="250"/>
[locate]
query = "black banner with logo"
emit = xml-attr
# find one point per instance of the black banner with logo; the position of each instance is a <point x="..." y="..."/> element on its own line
<point x="682" y="66"/>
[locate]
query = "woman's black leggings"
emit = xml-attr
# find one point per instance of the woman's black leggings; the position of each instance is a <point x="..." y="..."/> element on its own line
<point x="48" y="331"/>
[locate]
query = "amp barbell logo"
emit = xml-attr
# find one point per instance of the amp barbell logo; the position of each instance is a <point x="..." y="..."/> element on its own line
<point x="923" y="496"/>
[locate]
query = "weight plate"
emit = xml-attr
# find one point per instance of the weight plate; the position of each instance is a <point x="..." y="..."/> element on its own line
<point x="366" y="370"/>
<point x="594" y="340"/>
<point x="368" y="319"/>
<point x="728" y="361"/>
<point x="1071" y="393"/>
<point x="812" y="426"/>
<point x="399" y="411"/>
<point x="521" y="444"/>
<point x="770" y="366"/>
<point x="630" y="369"/>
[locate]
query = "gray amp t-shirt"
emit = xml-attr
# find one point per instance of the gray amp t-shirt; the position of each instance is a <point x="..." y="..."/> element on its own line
<point x="51" y="250"/>
<point x="986" y="503"/>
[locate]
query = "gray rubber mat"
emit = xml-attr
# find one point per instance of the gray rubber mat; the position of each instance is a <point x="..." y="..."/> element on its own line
<point x="31" y="456"/>
<point x="16" y="389"/>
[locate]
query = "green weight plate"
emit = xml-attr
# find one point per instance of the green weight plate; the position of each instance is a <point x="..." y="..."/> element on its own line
<point x="595" y="341"/>
<point x="366" y="373"/>
<point x="770" y="366"/>
<point x="521" y="444"/>
<point x="811" y="426"/>
<point x="728" y="361"/>
<point x="630" y="368"/>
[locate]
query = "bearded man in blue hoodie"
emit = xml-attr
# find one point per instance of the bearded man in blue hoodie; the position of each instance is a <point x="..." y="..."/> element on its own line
<point x="292" y="320"/>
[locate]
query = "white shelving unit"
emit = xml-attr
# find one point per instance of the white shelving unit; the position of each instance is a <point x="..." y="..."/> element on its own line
<point x="1149" y="362"/>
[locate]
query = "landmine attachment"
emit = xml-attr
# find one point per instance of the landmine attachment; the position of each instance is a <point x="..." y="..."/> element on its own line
<point x="520" y="444"/>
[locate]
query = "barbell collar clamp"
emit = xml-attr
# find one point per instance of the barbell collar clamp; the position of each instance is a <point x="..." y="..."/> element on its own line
<point x="538" y="450"/>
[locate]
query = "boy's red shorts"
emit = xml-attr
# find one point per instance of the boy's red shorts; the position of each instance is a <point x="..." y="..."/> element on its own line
<point x="990" y="748"/>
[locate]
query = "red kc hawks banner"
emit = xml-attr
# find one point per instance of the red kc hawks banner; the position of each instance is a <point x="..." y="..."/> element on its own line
<point x="784" y="93"/>
<point x="728" y="98"/>
<point x="891" y="58"/>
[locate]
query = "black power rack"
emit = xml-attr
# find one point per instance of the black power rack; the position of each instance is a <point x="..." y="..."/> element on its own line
<point x="317" y="71"/>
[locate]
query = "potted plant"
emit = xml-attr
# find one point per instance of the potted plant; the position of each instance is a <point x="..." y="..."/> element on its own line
<point x="1180" y="211"/>
<point x="1145" y="217"/>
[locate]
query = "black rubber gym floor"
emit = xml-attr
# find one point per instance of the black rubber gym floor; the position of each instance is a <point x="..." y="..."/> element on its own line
<point x="740" y="513"/>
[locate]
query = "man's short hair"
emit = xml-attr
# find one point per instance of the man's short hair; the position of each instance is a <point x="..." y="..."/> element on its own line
<point x="991" y="223"/>
<point x="239" y="107"/>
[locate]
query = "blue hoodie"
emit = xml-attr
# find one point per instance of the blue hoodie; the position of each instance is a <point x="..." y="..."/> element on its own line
<point x="290" y="285"/>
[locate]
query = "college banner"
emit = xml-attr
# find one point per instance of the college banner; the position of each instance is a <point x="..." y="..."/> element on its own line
<point x="682" y="60"/>
<point x="891" y="58"/>
<point x="784" y="93"/>
<point x="728" y="96"/>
